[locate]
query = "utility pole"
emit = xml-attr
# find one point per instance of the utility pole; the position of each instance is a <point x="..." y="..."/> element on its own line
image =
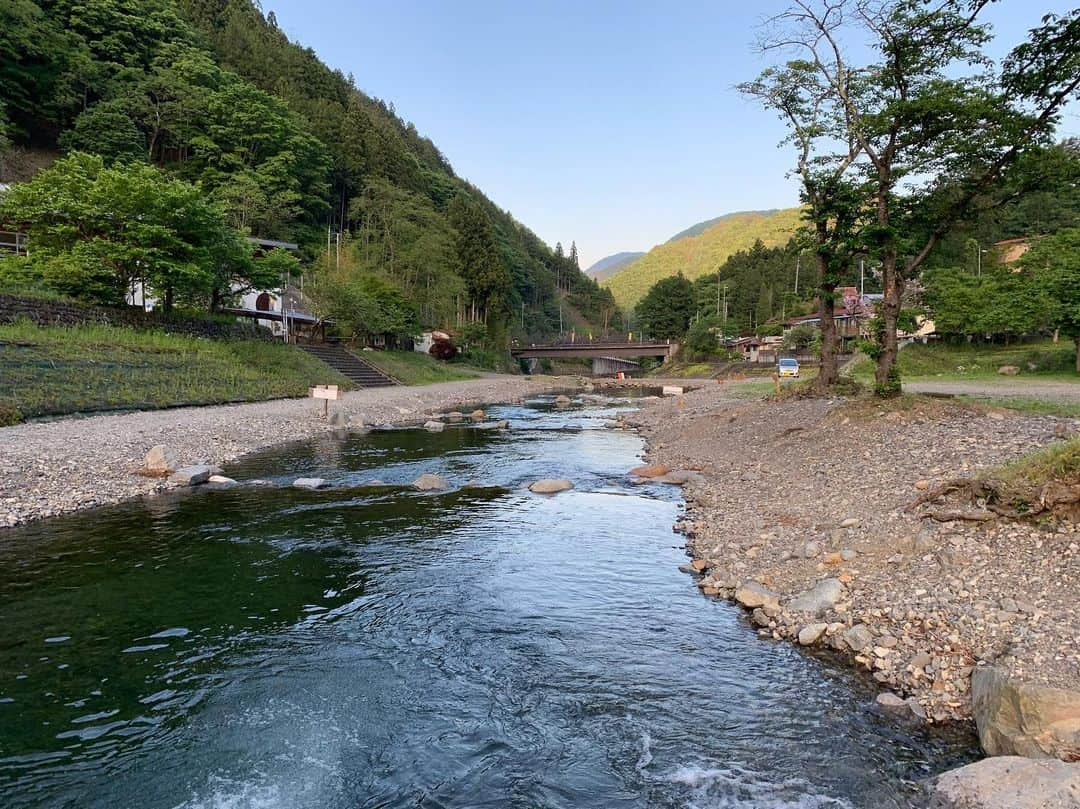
<point x="725" y="309"/>
<point x="862" y="278"/>
<point x="798" y="259"/>
<point x="718" y="293"/>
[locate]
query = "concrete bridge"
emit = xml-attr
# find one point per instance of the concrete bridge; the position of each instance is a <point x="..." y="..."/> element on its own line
<point x="615" y="349"/>
<point x="609" y="357"/>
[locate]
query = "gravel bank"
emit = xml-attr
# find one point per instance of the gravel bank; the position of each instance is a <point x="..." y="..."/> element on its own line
<point x="48" y="468"/>
<point x="809" y="498"/>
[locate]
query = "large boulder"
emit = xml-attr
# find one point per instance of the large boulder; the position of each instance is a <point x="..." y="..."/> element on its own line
<point x="680" y="477"/>
<point x="1009" y="370"/>
<point x="434" y="426"/>
<point x="1019" y="718"/>
<point x="1009" y="782"/>
<point x="192" y="475"/>
<point x="478" y="415"/>
<point x="652" y="470"/>
<point x="858" y="637"/>
<point x="162" y="460"/>
<point x="551" y="486"/>
<point x="819" y="598"/>
<point x="753" y="594"/>
<point x="309" y="483"/>
<point x="430" y="483"/>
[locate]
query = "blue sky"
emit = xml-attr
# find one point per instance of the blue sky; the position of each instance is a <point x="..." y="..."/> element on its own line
<point x="614" y="124"/>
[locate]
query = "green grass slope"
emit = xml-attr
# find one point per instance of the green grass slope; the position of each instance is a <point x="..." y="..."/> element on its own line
<point x="56" y="371"/>
<point x="703" y="252"/>
<point x="414" y="368"/>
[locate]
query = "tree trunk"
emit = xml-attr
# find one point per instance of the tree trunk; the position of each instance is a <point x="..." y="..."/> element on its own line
<point x="1077" y="338"/>
<point x="890" y="315"/>
<point x="829" y="373"/>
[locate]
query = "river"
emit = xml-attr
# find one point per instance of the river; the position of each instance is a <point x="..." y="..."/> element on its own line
<point x="368" y="645"/>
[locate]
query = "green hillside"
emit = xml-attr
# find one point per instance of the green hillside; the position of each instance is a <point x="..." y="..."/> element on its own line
<point x="696" y="255"/>
<point x="214" y="95"/>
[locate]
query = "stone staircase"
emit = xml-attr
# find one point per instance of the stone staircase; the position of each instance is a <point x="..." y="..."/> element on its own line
<point x="350" y="365"/>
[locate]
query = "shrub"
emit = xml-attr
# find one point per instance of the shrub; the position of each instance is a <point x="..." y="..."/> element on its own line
<point x="443" y="350"/>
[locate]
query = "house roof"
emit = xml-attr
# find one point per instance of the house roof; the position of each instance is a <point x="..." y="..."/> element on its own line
<point x="270" y="244"/>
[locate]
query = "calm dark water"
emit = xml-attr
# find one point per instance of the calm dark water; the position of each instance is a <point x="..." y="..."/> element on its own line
<point x="371" y="646"/>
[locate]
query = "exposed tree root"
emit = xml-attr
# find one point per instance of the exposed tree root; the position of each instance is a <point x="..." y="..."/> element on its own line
<point x="980" y="500"/>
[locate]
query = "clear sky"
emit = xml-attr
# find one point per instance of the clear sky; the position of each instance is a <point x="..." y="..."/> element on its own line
<point x="615" y="124"/>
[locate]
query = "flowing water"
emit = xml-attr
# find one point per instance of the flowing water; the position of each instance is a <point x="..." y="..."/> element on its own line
<point x="373" y="646"/>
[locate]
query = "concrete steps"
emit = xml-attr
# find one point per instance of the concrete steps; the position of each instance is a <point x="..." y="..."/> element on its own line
<point x="350" y="365"/>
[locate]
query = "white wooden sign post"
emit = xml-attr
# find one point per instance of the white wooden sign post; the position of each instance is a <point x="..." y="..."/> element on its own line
<point x="326" y="393"/>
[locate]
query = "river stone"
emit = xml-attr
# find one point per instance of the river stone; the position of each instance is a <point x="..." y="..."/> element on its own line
<point x="430" y="483"/>
<point x="455" y="416"/>
<point x="221" y="480"/>
<point x="434" y="426"/>
<point x="1009" y="370"/>
<point x="494" y="425"/>
<point x="653" y="470"/>
<point x="810" y="633"/>
<point x="858" y="637"/>
<point x="309" y="483"/>
<point x="551" y="486"/>
<point x="753" y="594"/>
<point x="890" y="702"/>
<point x="679" y="477"/>
<point x="1018" y="718"/>
<point x="1009" y="782"/>
<point x="478" y="415"/>
<point x="818" y="599"/>
<point x="161" y="459"/>
<point x="562" y="401"/>
<point x="191" y="475"/>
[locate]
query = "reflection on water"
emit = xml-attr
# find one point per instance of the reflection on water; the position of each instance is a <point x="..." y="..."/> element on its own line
<point x="368" y="645"/>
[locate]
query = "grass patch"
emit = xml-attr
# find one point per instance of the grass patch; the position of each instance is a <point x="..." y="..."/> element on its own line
<point x="1058" y="463"/>
<point x="414" y="368"/>
<point x="49" y="371"/>
<point x="969" y="361"/>
<point x="1024" y="404"/>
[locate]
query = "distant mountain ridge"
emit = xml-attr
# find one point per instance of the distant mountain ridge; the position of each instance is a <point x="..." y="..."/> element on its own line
<point x="701" y="227"/>
<point x="609" y="265"/>
<point x="701" y="249"/>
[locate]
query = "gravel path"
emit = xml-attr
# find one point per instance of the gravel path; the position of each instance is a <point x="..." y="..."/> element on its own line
<point x="802" y="492"/>
<point x="1049" y="389"/>
<point x="49" y="468"/>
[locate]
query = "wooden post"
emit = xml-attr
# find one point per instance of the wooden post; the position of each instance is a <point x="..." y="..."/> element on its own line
<point x="326" y="393"/>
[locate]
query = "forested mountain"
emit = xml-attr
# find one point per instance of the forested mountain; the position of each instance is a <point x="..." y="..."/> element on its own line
<point x="695" y="254"/>
<point x="701" y="227"/>
<point x="215" y="94"/>
<point x="609" y="265"/>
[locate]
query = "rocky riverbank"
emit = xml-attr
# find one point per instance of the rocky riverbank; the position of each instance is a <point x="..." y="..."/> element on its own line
<point x="53" y="467"/>
<point x="802" y="515"/>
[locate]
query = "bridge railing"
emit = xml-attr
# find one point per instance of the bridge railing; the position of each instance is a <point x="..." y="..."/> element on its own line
<point x="602" y="341"/>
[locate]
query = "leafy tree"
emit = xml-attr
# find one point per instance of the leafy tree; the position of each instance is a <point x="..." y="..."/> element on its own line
<point x="1054" y="263"/>
<point x="98" y="230"/>
<point x="924" y="130"/>
<point x="803" y="337"/>
<point x="703" y="336"/>
<point x="665" y="311"/>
